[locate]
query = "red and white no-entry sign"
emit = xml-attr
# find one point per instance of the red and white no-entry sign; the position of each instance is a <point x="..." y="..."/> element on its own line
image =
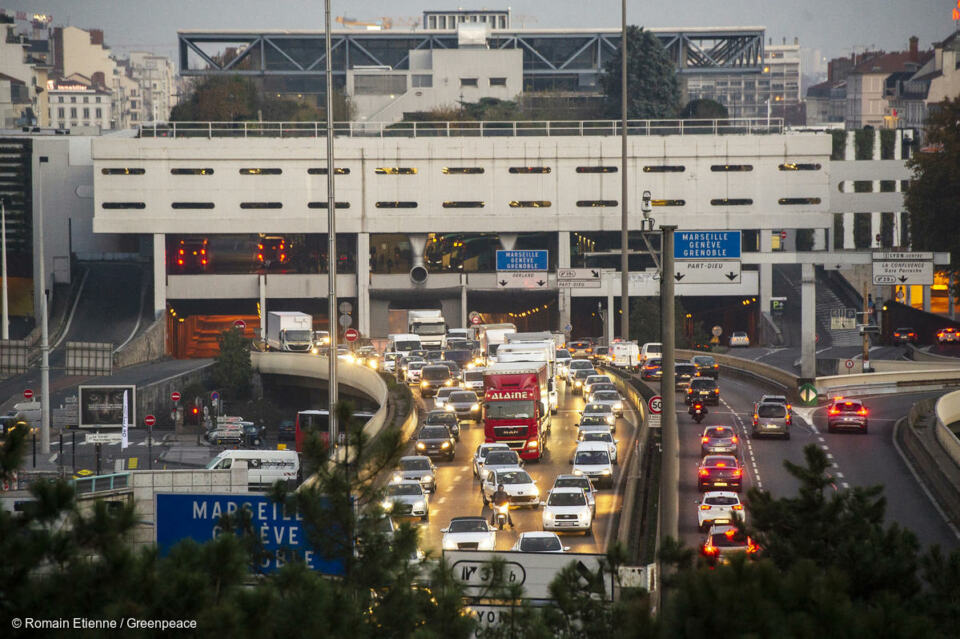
<point x="655" y="404"/>
<point x="351" y="334"/>
<point x="175" y="396"/>
<point x="149" y="420"/>
<point x="240" y="324"/>
<point x="28" y="393"/>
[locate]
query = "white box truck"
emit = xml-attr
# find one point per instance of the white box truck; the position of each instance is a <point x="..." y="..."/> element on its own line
<point x="543" y="351"/>
<point x="491" y="336"/>
<point x="289" y="331"/>
<point x="430" y="326"/>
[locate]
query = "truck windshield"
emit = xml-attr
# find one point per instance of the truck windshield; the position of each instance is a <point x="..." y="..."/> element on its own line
<point x="435" y="373"/>
<point x="298" y="336"/>
<point x="403" y="347"/>
<point x="517" y="409"/>
<point x="430" y="329"/>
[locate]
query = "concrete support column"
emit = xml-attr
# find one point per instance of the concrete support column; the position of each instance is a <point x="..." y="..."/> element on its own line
<point x="808" y="321"/>
<point x="766" y="271"/>
<point x="611" y="311"/>
<point x="897" y="215"/>
<point x="563" y="261"/>
<point x="464" y="321"/>
<point x="848" y="242"/>
<point x="363" y="283"/>
<point x="849" y="153"/>
<point x="263" y="307"/>
<point x="926" y="299"/>
<point x="159" y="274"/>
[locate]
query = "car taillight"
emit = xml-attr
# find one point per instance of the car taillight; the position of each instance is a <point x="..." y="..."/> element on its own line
<point x="689" y="391"/>
<point x="203" y="262"/>
<point x="737" y="472"/>
<point x="738" y="506"/>
<point x="179" y="262"/>
<point x="833" y="411"/>
<point x="260" y="256"/>
<point x="721" y="464"/>
<point x="704" y="507"/>
<point x="734" y="439"/>
<point x="716" y="390"/>
<point x="704" y="440"/>
<point x="704" y="472"/>
<point x="710" y="549"/>
<point x="752" y="547"/>
<point x="862" y="412"/>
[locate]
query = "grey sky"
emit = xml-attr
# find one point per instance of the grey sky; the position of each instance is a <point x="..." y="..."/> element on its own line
<point x="835" y="27"/>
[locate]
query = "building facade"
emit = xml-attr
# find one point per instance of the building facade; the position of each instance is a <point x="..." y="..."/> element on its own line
<point x="77" y="102"/>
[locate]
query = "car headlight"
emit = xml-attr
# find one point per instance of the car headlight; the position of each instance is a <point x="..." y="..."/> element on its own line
<point x="578" y="472"/>
<point x="536" y="491"/>
<point x="314" y="350"/>
<point x="618" y="406"/>
<point x="606" y="471"/>
<point x="421" y="446"/>
<point x="449" y="545"/>
<point x="449" y="382"/>
<point x="445" y="445"/>
<point x="372" y="363"/>
<point x="474" y="408"/>
<point x="449" y="406"/>
<point x="397" y="477"/>
<point x="418" y="505"/>
<point x="425" y="384"/>
<point x="428" y="478"/>
<point x="579" y="383"/>
<point x="387" y="505"/>
<point x="610" y="419"/>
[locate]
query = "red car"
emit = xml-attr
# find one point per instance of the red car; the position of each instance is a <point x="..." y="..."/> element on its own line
<point x="720" y="472"/>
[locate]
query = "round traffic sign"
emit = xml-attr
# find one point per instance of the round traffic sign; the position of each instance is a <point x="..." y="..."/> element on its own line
<point x="655" y="404"/>
<point x="214" y="396"/>
<point x="351" y="334"/>
<point x="175" y="396"/>
<point x="345" y="307"/>
<point x="345" y="321"/>
<point x="783" y="235"/>
<point x="240" y="324"/>
<point x="848" y="364"/>
<point x="717" y="331"/>
<point x="474" y="319"/>
<point x="28" y="393"/>
<point x="149" y="420"/>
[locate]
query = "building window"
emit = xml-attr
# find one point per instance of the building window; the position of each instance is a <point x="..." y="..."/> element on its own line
<point x="798" y="200"/>
<point x="123" y="205"/>
<point x="597" y="169"/>
<point x="133" y="104"/>
<point x="529" y="169"/>
<point x="323" y="205"/>
<point x="462" y="170"/>
<point x="60" y="99"/>
<point x="86" y="112"/>
<point x="395" y="170"/>
<point x="731" y="202"/>
<point x="99" y="113"/>
<point x="498" y="82"/>
<point x="793" y="166"/>
<point x="261" y="171"/>
<point x="731" y="167"/>
<point x="133" y="116"/>
<point x="97" y="100"/>
<point x="668" y="202"/>
<point x="529" y="204"/>
<point x="596" y="203"/>
<point x="463" y="205"/>
<point x="396" y="205"/>
<point x="60" y="113"/>
<point x="421" y="81"/>
<point x="86" y="99"/>
<point x="191" y="171"/>
<point x="73" y="112"/>
<point x="468" y="82"/>
<point x="664" y="169"/>
<point x="261" y="205"/>
<point x="192" y="205"/>
<point x="323" y="171"/>
<point x="123" y="171"/>
<point x="73" y="99"/>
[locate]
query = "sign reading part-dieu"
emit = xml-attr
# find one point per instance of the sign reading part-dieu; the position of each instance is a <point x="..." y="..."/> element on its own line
<point x="706" y="245"/>
<point x="182" y="516"/>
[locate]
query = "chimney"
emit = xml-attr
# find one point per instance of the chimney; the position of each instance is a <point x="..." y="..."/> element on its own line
<point x="796" y="40"/>
<point x="914" y="45"/>
<point x="96" y="36"/>
<point x="98" y="80"/>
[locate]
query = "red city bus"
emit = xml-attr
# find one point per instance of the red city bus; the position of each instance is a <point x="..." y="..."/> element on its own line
<point x="309" y="421"/>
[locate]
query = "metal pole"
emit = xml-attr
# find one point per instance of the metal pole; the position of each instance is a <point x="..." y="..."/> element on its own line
<point x="624" y="221"/>
<point x="44" y="332"/>
<point x="150" y="447"/>
<point x="867" y="320"/>
<point x="98" y="458"/>
<point x="73" y="451"/>
<point x="333" y="394"/>
<point x="670" y="481"/>
<point x="3" y="238"/>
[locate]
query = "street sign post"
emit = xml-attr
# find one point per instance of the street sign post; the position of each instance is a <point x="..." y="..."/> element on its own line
<point x="149" y="421"/>
<point x="28" y="393"/>
<point x="654" y="411"/>
<point x="175" y="396"/>
<point x="345" y="321"/>
<point x="525" y="260"/>
<point x="578" y="278"/>
<point x="707" y="272"/>
<point x="533" y="280"/>
<point x="706" y="245"/>
<point x="104" y="438"/>
<point x="351" y="334"/>
<point x="903" y="272"/>
<point x="534" y="571"/>
<point x="848" y="364"/>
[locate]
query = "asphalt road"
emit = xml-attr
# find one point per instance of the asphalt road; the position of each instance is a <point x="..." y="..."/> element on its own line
<point x="785" y="358"/>
<point x="458" y="492"/>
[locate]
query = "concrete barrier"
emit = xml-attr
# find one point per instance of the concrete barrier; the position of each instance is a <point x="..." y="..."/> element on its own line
<point x="947" y="412"/>
<point x="146" y="347"/>
<point x="920" y="355"/>
<point x="892" y="382"/>
<point x="756" y="370"/>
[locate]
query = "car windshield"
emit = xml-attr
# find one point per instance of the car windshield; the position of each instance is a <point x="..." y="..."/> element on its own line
<point x="720" y="461"/>
<point x="444" y="393"/>
<point x="415" y="366"/>
<point x="731" y="538"/>
<point x="429" y="329"/>
<point x="597" y="379"/>
<point x="395" y="490"/>
<point x="848" y="407"/>
<point x="511" y="409"/>
<point x="686" y="369"/>
<point x="739" y="334"/>
<point x="590" y="457"/>
<point x="414" y="464"/>
<point x="606" y="396"/>
<point x="468" y="526"/>
<point x="772" y="411"/>
<point x="596" y="436"/>
<point x="581" y="364"/>
<point x="563" y="354"/>
<point x="473" y="376"/>
<point x="653" y="349"/>
<point x="583" y="373"/>
<point x="593" y="420"/>
<point x="703" y="360"/>
<point x="604" y="386"/>
<point x="703" y="384"/>
<point x="452" y="367"/>
<point x="567" y="499"/>
<point x="719" y="431"/>
<point x="654" y="362"/>
<point x="484" y="452"/>
<point x="514" y="477"/>
<point x="441" y="418"/>
<point x="721" y="500"/>
<point x="503" y="458"/>
<point x="434" y="432"/>
<point x="465" y="397"/>
<point x="572" y="482"/>
<point x="540" y="544"/>
<point x="435" y="373"/>
<point x="596" y="408"/>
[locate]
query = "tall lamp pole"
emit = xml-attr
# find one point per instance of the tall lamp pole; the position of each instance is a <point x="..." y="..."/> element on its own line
<point x="624" y="220"/>
<point x="333" y="391"/>
<point x="5" y="332"/>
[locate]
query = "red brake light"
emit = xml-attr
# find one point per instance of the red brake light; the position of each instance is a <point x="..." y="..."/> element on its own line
<point x="260" y="246"/>
<point x="833" y="411"/>
<point x="203" y="262"/>
<point x="734" y="439"/>
<point x="283" y="257"/>
<point x="730" y="533"/>
<point x="260" y="256"/>
<point x="704" y="507"/>
<point x="737" y="472"/>
<point x="704" y="472"/>
<point x="710" y="549"/>
<point x="203" y="251"/>
<point x="716" y="390"/>
<point x="181" y="251"/>
<point x="752" y="547"/>
<point x="721" y="464"/>
<point x="862" y="411"/>
<point x="704" y="440"/>
<point x="738" y="507"/>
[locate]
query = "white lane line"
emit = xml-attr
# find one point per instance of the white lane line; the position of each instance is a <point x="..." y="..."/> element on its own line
<point x="845" y="485"/>
<point x="839" y="475"/>
<point x="744" y="438"/>
<point x="441" y="500"/>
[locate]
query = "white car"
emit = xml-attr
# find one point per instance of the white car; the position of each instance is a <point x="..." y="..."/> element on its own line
<point x="519" y="485"/>
<point x="567" y="509"/>
<point x="599" y="388"/>
<point x="501" y="460"/>
<point x="443" y="394"/>
<point x="577" y="365"/>
<point x="469" y="533"/>
<point x="563" y="362"/>
<point x="579" y="481"/>
<point x="389" y="362"/>
<point x="419" y="468"/>
<point x="592" y="459"/>
<point x="589" y="383"/>
<point x="718" y="507"/>
<point x="739" y="338"/>
<point x="413" y="372"/>
<point x="480" y="457"/>
<point x="406" y="498"/>
<point x="600" y="435"/>
<point x="539" y="541"/>
<point x="603" y="410"/>
<point x="650" y="350"/>
<point x="611" y="399"/>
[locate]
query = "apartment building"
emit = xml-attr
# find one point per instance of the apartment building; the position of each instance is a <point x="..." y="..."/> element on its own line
<point x="77" y="101"/>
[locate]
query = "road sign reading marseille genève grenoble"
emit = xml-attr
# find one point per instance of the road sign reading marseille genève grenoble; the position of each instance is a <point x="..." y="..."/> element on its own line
<point x="706" y="245"/>
<point x="525" y="260"/>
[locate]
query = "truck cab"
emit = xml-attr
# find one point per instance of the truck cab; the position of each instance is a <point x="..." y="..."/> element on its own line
<point x="515" y="406"/>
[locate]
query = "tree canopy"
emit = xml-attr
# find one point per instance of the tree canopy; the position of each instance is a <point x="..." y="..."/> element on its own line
<point x="653" y="88"/>
<point x="704" y="109"/>
<point x="933" y="196"/>
<point x="238" y="99"/>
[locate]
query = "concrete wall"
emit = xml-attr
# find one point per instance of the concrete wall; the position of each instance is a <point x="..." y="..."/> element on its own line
<point x="148" y="346"/>
<point x="147" y="483"/>
<point x="154" y="399"/>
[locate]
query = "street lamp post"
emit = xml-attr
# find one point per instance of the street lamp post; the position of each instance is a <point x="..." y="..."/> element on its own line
<point x="624" y="219"/>
<point x="3" y="238"/>
<point x="333" y="391"/>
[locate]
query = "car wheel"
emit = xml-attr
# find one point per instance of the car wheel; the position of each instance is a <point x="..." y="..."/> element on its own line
<point x="786" y="436"/>
<point x="588" y="532"/>
<point x="830" y="428"/>
<point x="864" y="429"/>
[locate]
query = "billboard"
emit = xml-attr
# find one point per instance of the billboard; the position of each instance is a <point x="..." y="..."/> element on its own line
<point x="196" y="516"/>
<point x="102" y="406"/>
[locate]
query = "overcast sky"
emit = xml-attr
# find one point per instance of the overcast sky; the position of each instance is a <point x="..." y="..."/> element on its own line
<point x="836" y="27"/>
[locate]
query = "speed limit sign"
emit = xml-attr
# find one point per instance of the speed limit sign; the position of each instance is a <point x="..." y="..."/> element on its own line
<point x="655" y="404"/>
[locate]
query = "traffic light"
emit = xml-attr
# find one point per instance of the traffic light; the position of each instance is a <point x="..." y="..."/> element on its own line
<point x="194" y="415"/>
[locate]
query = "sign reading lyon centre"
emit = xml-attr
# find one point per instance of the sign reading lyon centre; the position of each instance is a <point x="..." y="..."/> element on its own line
<point x="706" y="245"/>
<point x="182" y="516"/>
<point x="526" y="260"/>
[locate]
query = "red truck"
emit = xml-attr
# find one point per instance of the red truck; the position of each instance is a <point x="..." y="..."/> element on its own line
<point x="515" y="406"/>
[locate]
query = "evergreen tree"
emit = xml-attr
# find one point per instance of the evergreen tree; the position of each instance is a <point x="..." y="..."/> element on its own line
<point x="232" y="370"/>
<point x="653" y="88"/>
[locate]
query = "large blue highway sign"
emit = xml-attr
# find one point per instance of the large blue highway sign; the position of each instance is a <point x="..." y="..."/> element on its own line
<point x="194" y="516"/>
<point x="706" y="245"/>
<point x="530" y="260"/>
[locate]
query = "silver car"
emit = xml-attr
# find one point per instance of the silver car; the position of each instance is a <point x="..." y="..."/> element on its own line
<point x="578" y="481"/>
<point x="518" y="484"/>
<point x="406" y="499"/>
<point x="603" y="410"/>
<point x="719" y="439"/>
<point x="611" y="399"/>
<point x="601" y="435"/>
<point x="480" y="457"/>
<point x="419" y="468"/>
<point x="771" y="420"/>
<point x="464" y="403"/>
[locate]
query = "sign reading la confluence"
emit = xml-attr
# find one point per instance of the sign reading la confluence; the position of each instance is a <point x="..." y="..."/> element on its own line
<point x="706" y="245"/>
<point x="527" y="260"/>
<point x="197" y="516"/>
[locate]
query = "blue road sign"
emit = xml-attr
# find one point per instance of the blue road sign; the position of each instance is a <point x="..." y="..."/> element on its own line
<point x="706" y="245"/>
<point x="182" y="516"/>
<point x="531" y="260"/>
<point x="214" y="396"/>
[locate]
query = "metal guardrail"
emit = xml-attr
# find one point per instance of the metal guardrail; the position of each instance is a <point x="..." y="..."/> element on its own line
<point x="947" y="411"/>
<point x="102" y="483"/>
<point x="516" y="128"/>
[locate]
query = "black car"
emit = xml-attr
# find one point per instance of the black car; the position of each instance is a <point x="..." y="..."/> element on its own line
<point x="436" y="441"/>
<point x="683" y="373"/>
<point x="706" y="366"/>
<point x="703" y="388"/>
<point x="287" y="431"/>
<point x="462" y="357"/>
<point x="905" y="336"/>
<point x="254" y="435"/>
<point x="454" y="370"/>
<point x="433" y="378"/>
<point x="444" y="418"/>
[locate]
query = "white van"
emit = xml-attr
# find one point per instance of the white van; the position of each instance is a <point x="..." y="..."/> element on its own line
<point x="650" y="349"/>
<point x="625" y="355"/>
<point x="264" y="467"/>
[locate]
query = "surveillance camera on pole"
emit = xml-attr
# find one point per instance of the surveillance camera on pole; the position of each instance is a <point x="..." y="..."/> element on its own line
<point x="645" y="208"/>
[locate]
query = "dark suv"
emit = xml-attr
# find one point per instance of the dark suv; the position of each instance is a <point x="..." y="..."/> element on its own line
<point x="433" y="378"/>
<point x="703" y="388"/>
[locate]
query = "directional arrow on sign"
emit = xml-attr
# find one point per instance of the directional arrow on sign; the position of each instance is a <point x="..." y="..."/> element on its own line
<point x="678" y="276"/>
<point x="503" y="282"/>
<point x="595" y="273"/>
<point x="903" y="278"/>
<point x="540" y="282"/>
<point x="731" y="276"/>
